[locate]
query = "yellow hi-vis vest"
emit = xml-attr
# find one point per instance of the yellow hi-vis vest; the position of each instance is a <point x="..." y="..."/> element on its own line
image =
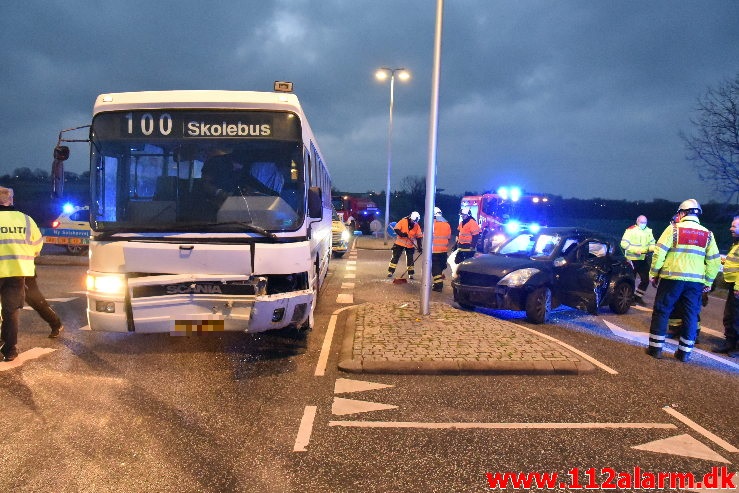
<point x="20" y="242"/>
<point x="731" y="265"/>
<point x="686" y="251"/>
<point x="637" y="242"/>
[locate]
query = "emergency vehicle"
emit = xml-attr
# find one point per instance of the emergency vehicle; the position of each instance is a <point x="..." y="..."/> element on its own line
<point x="506" y="212"/>
<point x="362" y="209"/>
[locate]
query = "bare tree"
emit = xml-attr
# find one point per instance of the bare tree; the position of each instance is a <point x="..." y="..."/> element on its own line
<point x="415" y="186"/>
<point x="714" y="143"/>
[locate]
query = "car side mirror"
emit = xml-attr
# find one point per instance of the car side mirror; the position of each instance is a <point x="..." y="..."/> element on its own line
<point x="315" y="203"/>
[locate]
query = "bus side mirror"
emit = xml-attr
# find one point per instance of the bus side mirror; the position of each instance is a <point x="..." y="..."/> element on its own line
<point x="61" y="154"/>
<point x="315" y="203"/>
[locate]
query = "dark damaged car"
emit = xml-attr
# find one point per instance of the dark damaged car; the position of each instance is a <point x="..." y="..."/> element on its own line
<point x="576" y="267"/>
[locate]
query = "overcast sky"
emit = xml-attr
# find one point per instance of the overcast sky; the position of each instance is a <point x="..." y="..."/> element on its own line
<point x="575" y="98"/>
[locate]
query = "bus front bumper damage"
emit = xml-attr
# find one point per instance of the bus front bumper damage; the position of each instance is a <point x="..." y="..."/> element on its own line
<point x="180" y="313"/>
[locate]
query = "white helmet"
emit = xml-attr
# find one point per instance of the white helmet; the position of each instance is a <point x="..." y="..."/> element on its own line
<point x="437" y="211"/>
<point x="691" y="206"/>
<point x="415" y="216"/>
<point x="465" y="211"/>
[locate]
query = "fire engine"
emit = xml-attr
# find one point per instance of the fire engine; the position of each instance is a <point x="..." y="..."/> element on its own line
<point x="362" y="209"/>
<point x="506" y="212"/>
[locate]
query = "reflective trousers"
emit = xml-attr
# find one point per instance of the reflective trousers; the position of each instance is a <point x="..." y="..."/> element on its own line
<point x="438" y="263"/>
<point x="670" y="292"/>
<point x="397" y="252"/>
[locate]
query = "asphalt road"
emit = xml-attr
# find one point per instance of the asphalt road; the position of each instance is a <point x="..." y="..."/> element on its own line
<point x="234" y="412"/>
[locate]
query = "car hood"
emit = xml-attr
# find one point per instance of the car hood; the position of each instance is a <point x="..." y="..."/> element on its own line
<point x="499" y="265"/>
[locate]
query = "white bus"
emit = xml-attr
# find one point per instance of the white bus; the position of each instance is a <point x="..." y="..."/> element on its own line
<point x="211" y="210"/>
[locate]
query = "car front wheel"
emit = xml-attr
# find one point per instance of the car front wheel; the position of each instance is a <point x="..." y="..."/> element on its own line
<point x="538" y="305"/>
<point x="621" y="298"/>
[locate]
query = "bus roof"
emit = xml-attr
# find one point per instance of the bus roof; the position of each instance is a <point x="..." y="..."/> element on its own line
<point x="197" y="99"/>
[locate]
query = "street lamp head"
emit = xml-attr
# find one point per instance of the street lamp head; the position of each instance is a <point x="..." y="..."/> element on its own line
<point x="383" y="73"/>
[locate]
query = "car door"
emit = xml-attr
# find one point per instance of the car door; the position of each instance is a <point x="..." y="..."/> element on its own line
<point x="584" y="277"/>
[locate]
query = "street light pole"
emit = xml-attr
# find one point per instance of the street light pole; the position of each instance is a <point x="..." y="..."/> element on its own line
<point x="382" y="74"/>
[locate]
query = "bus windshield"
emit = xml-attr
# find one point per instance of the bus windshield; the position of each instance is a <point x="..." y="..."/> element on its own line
<point x="197" y="170"/>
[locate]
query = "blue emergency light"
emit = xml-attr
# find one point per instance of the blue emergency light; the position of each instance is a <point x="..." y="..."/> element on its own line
<point x="68" y="208"/>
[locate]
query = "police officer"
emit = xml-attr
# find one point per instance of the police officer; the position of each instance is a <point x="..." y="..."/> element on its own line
<point x="731" y="308"/>
<point x="686" y="261"/>
<point x="20" y="242"/>
<point x="638" y="244"/>
<point x="469" y="232"/>
<point x="440" y="246"/>
<point x="408" y="237"/>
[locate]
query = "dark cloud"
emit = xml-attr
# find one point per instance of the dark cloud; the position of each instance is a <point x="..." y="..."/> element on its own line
<point x="575" y="98"/>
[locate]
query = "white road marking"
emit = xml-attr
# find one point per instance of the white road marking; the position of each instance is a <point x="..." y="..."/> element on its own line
<point x="347" y="385"/>
<point x="306" y="429"/>
<point x="643" y="338"/>
<point x="713" y="332"/>
<point x="350" y="276"/>
<point x="86" y="327"/>
<point x="683" y="445"/>
<point x="342" y="406"/>
<point x="345" y="298"/>
<point x="351" y="262"/>
<point x="79" y="292"/>
<point x="584" y="356"/>
<point x="34" y="353"/>
<point x="347" y="285"/>
<point x="642" y="308"/>
<point x="351" y="267"/>
<point x="497" y="426"/>
<point x="698" y="428"/>
<point x="326" y="348"/>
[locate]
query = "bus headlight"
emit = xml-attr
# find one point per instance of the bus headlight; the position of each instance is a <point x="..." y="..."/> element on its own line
<point x="345" y="235"/>
<point x="106" y="283"/>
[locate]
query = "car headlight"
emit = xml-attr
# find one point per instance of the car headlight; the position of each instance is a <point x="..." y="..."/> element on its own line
<point x="345" y="235"/>
<point x="518" y="277"/>
<point x="106" y="283"/>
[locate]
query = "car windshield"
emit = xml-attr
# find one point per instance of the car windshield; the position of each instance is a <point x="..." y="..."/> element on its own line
<point x="530" y="245"/>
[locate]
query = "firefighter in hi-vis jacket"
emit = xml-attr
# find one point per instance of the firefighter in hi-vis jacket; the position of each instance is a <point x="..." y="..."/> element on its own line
<point x="409" y="236"/>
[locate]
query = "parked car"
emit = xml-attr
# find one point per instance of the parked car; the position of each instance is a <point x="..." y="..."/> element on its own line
<point x="71" y="229"/>
<point x="536" y="272"/>
<point x="340" y="236"/>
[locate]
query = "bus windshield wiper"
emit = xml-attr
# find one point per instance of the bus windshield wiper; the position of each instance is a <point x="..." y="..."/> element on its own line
<point x="214" y="226"/>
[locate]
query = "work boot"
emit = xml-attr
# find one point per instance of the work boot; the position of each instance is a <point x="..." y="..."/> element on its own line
<point x="654" y="352"/>
<point x="389" y="275"/>
<point x="734" y="354"/>
<point x="726" y="347"/>
<point x="9" y="353"/>
<point x="437" y="288"/>
<point x="55" y="332"/>
<point x="410" y="276"/>
<point x="639" y="301"/>
<point x="682" y="355"/>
